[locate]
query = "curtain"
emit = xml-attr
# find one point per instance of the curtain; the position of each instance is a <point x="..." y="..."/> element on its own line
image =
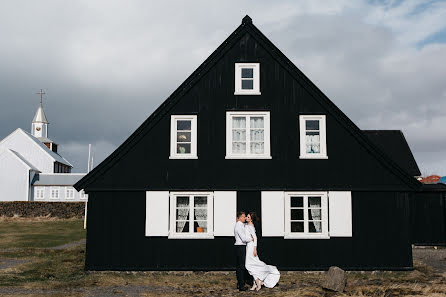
<point x="316" y="211"/>
<point x="313" y="143"/>
<point x="238" y="135"/>
<point x="182" y="214"/>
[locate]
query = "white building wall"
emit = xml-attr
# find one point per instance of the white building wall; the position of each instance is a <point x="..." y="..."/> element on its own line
<point x="62" y="194"/>
<point x="20" y="142"/>
<point x="14" y="178"/>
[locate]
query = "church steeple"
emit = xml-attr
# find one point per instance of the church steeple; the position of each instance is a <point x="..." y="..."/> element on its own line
<point x="39" y="126"/>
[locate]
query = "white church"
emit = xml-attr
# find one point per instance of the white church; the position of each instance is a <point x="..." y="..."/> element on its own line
<point x="32" y="169"/>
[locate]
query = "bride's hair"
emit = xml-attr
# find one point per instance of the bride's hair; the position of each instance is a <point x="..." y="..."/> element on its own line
<point x="254" y="216"/>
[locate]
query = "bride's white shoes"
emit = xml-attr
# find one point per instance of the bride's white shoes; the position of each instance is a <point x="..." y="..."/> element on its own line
<point x="254" y="286"/>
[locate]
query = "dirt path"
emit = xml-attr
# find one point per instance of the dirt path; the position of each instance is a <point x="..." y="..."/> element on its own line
<point x="69" y="245"/>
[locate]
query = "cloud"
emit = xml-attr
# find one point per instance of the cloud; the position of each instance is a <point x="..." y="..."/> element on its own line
<point x="106" y="65"/>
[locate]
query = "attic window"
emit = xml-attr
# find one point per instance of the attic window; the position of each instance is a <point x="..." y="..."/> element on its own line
<point x="313" y="143"/>
<point x="247" y="79"/>
<point x="183" y="137"/>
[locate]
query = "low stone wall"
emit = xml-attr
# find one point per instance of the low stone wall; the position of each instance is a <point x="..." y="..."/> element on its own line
<point x="42" y="209"/>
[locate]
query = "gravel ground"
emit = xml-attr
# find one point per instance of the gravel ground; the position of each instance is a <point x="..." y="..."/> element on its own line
<point x="436" y="258"/>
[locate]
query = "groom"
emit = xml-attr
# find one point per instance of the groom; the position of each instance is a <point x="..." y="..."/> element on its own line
<point x="241" y="239"/>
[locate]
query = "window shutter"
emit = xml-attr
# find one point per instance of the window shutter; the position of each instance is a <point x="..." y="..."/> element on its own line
<point x="157" y="213"/>
<point x="225" y="211"/>
<point x="273" y="210"/>
<point x="340" y="213"/>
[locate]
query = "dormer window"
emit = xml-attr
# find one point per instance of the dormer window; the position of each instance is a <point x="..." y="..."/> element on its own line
<point x="183" y="137"/>
<point x="247" y="79"/>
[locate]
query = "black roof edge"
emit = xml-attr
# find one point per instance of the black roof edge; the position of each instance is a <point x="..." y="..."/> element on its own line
<point x="294" y="71"/>
<point x="214" y="56"/>
<point x="405" y="141"/>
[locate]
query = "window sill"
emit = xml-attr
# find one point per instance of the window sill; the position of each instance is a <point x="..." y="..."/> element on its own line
<point x="190" y="236"/>
<point x="183" y="157"/>
<point x="247" y="93"/>
<point x="248" y="157"/>
<point x="313" y="157"/>
<point x="306" y="236"/>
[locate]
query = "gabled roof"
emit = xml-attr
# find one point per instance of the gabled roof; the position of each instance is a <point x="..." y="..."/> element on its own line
<point x="55" y="156"/>
<point x="40" y="117"/>
<point x="244" y="28"/>
<point x="20" y="158"/>
<point x="394" y="144"/>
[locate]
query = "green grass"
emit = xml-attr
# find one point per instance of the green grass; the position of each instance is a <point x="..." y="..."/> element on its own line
<point x="39" y="233"/>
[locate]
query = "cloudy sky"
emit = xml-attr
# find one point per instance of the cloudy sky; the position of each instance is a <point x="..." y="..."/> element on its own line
<point x="106" y="65"/>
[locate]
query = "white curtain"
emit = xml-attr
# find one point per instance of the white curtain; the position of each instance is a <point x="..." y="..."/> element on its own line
<point x="256" y="122"/>
<point x="182" y="213"/>
<point x="313" y="144"/>
<point x="315" y="209"/>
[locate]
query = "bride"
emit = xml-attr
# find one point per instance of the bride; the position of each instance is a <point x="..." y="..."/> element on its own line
<point x="263" y="274"/>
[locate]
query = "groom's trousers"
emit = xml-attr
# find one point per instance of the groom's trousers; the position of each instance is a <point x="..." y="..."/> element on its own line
<point x="240" y="256"/>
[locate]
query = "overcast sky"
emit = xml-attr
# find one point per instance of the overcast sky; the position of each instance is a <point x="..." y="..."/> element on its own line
<point x="106" y="65"/>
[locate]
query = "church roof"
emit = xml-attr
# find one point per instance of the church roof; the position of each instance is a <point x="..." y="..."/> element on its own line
<point x="57" y="179"/>
<point x="22" y="159"/>
<point x="56" y="157"/>
<point x="40" y="117"/>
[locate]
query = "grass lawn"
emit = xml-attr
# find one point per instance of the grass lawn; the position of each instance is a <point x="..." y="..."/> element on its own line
<point x="39" y="270"/>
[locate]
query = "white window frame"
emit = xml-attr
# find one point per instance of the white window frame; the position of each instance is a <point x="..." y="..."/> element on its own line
<point x="37" y="191"/>
<point x="82" y="195"/>
<point x="67" y="191"/>
<point x="56" y="190"/>
<point x="267" y="149"/>
<point x="173" y="137"/>
<point x="306" y="235"/>
<point x="238" y="79"/>
<point x="191" y="235"/>
<point x="322" y="133"/>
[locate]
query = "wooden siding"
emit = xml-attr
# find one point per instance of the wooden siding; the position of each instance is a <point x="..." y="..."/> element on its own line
<point x="116" y="240"/>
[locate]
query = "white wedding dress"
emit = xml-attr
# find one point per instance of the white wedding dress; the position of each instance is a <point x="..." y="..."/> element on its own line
<point x="258" y="269"/>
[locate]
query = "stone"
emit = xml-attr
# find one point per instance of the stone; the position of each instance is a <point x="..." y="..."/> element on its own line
<point x="335" y="279"/>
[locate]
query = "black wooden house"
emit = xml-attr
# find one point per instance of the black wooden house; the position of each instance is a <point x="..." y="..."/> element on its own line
<point x="248" y="131"/>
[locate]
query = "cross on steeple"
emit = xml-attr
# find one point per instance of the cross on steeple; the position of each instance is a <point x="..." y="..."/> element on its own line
<point x="41" y="93"/>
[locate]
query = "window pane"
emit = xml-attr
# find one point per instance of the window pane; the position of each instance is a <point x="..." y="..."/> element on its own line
<point x="182" y="227"/>
<point x="183" y="148"/>
<point x="239" y="147"/>
<point x="256" y="122"/>
<point x="247" y="73"/>
<point x="314" y="201"/>
<point x="297" y="214"/>
<point x="315" y="227"/>
<point x="183" y="137"/>
<point x="182" y="214"/>
<point x="257" y="148"/>
<point x="297" y="226"/>
<point x="297" y="201"/>
<point x="200" y="201"/>
<point x="313" y="143"/>
<point x="314" y="214"/>
<point x="257" y="135"/>
<point x="183" y="201"/>
<point x="239" y="122"/>
<point x="200" y="226"/>
<point x="184" y="125"/>
<point x="312" y="124"/>
<point x="200" y="214"/>
<point x="239" y="135"/>
<point x="247" y="84"/>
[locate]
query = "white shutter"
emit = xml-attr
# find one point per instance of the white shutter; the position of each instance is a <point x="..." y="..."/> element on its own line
<point x="273" y="210"/>
<point x="340" y="213"/>
<point x="157" y="213"/>
<point x="225" y="212"/>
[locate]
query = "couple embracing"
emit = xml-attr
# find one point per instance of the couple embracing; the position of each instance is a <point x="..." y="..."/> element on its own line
<point x="247" y="258"/>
